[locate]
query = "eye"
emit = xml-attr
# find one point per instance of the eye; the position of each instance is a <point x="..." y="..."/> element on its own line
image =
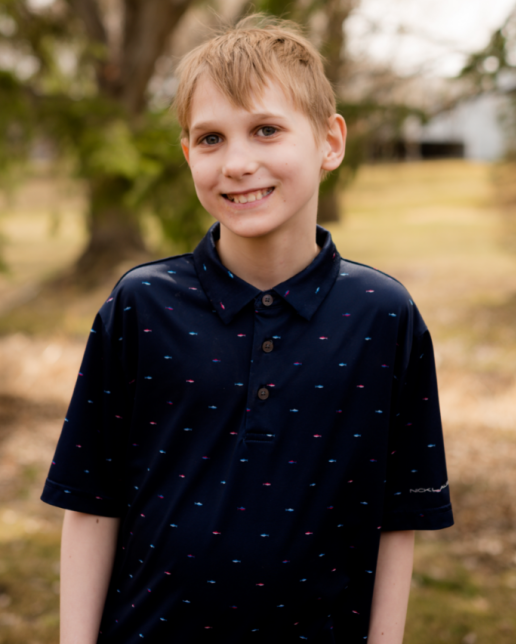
<point x="268" y="130"/>
<point x="211" y="139"/>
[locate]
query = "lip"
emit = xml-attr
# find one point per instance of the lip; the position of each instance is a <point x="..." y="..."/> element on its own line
<point x="249" y="204"/>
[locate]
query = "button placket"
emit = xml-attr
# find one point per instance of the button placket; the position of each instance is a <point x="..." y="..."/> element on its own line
<point x="258" y="418"/>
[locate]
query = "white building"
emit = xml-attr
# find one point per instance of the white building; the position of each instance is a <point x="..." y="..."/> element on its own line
<point x="476" y="124"/>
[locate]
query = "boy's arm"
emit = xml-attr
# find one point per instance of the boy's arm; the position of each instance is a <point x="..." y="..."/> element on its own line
<point x="87" y="554"/>
<point x="391" y="588"/>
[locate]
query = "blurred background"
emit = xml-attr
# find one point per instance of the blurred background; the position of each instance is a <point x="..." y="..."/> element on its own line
<point x="92" y="182"/>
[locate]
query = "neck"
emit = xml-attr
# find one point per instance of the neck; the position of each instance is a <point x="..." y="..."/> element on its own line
<point x="267" y="261"/>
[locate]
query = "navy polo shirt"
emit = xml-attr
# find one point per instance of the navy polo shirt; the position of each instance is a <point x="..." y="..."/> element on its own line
<point x="254" y="444"/>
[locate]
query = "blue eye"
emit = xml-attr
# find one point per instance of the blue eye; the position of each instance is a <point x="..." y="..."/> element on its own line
<point x="211" y="139"/>
<point x="268" y="130"/>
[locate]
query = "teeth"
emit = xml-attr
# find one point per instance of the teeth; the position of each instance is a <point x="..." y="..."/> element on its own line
<point x="250" y="196"/>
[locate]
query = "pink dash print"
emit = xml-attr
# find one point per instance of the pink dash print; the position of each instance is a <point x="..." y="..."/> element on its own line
<point x="370" y="291"/>
<point x="323" y="337"/>
<point x="241" y="335"/>
<point x="215" y="532"/>
<point x="222" y="306"/>
<point x="317" y="435"/>
<point x="190" y="381"/>
<point x="267" y="484"/>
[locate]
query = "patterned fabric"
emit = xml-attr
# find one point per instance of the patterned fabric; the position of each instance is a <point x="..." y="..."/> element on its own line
<point x="254" y="445"/>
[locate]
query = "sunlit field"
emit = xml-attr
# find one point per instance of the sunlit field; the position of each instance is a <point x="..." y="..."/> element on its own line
<point x="435" y="227"/>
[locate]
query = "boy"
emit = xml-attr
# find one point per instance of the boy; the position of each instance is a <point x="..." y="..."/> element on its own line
<point x="255" y="433"/>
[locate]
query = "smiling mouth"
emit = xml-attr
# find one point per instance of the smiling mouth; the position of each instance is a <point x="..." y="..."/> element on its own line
<point x="248" y="197"/>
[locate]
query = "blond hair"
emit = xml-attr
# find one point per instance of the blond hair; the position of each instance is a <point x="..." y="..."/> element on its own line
<point x="244" y="58"/>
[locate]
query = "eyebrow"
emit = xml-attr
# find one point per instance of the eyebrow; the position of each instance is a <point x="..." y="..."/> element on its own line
<point x="212" y="125"/>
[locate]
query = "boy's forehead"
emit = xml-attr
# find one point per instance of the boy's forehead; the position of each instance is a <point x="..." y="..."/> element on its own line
<point x="210" y="104"/>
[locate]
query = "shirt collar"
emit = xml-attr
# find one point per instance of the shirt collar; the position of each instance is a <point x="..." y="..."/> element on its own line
<point x="229" y="294"/>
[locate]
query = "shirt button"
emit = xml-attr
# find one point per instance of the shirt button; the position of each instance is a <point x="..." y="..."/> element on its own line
<point x="263" y="393"/>
<point x="267" y="299"/>
<point x="268" y="346"/>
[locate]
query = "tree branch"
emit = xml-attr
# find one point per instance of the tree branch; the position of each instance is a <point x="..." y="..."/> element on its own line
<point x="89" y="13"/>
<point x="148" y="25"/>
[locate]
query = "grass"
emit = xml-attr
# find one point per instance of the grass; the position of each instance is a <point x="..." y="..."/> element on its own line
<point x="29" y="583"/>
<point x="432" y="225"/>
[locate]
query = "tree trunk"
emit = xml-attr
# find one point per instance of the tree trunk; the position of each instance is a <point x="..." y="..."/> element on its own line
<point x="337" y="12"/>
<point x="328" y="207"/>
<point x="114" y="234"/>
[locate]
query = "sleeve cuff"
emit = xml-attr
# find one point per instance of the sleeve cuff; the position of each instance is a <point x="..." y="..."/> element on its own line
<point x="70" y="498"/>
<point x="430" y="519"/>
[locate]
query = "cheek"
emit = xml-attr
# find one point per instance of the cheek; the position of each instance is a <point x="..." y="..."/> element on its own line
<point x="202" y="174"/>
<point x="300" y="161"/>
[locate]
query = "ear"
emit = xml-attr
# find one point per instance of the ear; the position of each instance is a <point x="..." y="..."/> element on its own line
<point x="334" y="143"/>
<point x="186" y="149"/>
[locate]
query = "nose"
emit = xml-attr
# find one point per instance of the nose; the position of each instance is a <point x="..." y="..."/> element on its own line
<point x="239" y="161"/>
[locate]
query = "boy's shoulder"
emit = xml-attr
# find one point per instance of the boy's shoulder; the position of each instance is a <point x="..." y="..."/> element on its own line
<point x="172" y="268"/>
<point x="149" y="280"/>
<point x="368" y="292"/>
<point x="372" y="283"/>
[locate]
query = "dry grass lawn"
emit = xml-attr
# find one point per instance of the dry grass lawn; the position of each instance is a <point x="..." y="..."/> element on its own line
<point x="435" y="227"/>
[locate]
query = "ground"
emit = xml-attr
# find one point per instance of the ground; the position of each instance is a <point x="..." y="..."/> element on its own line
<point x="435" y="227"/>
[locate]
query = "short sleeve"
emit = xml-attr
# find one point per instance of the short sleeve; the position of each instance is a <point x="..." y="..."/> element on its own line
<point x="417" y="493"/>
<point x="87" y="470"/>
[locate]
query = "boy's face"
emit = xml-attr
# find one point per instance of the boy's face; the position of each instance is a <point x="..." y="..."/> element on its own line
<point x="256" y="172"/>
